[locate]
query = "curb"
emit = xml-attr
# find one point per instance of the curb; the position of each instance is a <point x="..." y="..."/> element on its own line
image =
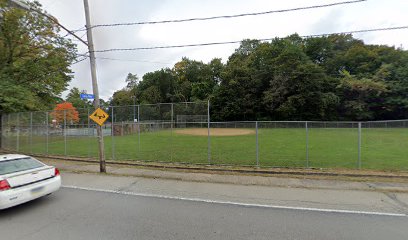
<point x="368" y="187"/>
<point x="227" y="169"/>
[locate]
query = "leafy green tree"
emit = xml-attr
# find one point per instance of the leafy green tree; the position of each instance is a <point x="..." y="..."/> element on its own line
<point x="122" y="98"/>
<point x="157" y="87"/>
<point x="187" y="81"/>
<point x="34" y="60"/>
<point x="299" y="89"/>
<point x="274" y="81"/>
<point x="360" y="97"/>
<point x="395" y="75"/>
<point x="131" y="80"/>
<point x="334" y="77"/>
<point x="330" y="51"/>
<point x="236" y="97"/>
<point x="196" y="80"/>
<point x="361" y="61"/>
<point x="129" y="95"/>
<point x="367" y="63"/>
<point x="74" y="97"/>
<point x="151" y="95"/>
<point x="81" y="105"/>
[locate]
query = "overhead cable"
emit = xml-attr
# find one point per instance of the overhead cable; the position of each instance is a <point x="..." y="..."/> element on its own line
<point x="239" y="41"/>
<point x="226" y="16"/>
<point x="80" y="60"/>
<point x="130" y="60"/>
<point x="55" y="21"/>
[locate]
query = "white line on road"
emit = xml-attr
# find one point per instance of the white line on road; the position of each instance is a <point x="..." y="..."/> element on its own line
<point x="238" y="203"/>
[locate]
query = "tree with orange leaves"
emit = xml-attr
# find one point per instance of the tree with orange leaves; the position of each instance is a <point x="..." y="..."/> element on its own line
<point x="65" y="110"/>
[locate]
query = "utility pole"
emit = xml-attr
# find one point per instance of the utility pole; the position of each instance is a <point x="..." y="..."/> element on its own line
<point x="94" y="85"/>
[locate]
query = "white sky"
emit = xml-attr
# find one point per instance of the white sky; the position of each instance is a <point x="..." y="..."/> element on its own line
<point x="112" y="73"/>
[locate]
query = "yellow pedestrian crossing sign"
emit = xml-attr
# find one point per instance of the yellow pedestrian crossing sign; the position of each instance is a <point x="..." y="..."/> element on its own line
<point x="99" y="116"/>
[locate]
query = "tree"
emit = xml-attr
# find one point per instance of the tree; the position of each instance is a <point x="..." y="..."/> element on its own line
<point x="34" y="60"/>
<point x="299" y="89"/>
<point x="122" y="98"/>
<point x="334" y="77"/>
<point x="65" y="112"/>
<point x="394" y="73"/>
<point x="83" y="106"/>
<point x="131" y="80"/>
<point x="128" y="95"/>
<point x="151" y="95"/>
<point x="274" y="81"/>
<point x="237" y="96"/>
<point x="74" y="97"/>
<point x="156" y="87"/>
<point x="360" y="97"/>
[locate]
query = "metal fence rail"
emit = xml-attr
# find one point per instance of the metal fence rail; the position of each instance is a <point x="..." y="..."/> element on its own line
<point x="183" y="133"/>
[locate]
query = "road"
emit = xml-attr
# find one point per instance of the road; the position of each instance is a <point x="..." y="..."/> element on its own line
<point x="124" y="213"/>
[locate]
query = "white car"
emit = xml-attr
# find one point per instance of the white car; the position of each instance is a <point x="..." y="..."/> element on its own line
<point x="24" y="178"/>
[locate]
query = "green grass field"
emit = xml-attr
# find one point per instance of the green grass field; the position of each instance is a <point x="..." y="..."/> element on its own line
<point x="382" y="149"/>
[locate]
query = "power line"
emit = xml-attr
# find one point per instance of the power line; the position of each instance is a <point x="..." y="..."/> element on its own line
<point x="83" y="35"/>
<point x="79" y="60"/>
<point x="227" y="16"/>
<point x="234" y="42"/>
<point x="30" y="7"/>
<point x="358" y="31"/>
<point x="75" y="31"/>
<point x="79" y="30"/>
<point x="130" y="60"/>
<point x="54" y="20"/>
<point x="85" y="56"/>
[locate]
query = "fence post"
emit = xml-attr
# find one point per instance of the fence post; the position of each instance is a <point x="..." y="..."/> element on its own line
<point x="257" y="145"/>
<point x="18" y="132"/>
<point x="208" y="132"/>
<point x="138" y="122"/>
<point x="65" y="132"/>
<point x="9" y="124"/>
<point x="171" y="137"/>
<point x="46" y="132"/>
<point x="122" y="130"/>
<point x="113" y="133"/>
<point x="134" y="109"/>
<point x="307" y="144"/>
<point x="31" y="132"/>
<point x="89" y="134"/>
<point x="359" y="146"/>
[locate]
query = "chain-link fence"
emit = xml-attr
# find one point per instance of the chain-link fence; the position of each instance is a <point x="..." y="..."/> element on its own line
<point x="182" y="133"/>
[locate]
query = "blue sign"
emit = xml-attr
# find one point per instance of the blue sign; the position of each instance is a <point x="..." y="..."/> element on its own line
<point x="87" y="96"/>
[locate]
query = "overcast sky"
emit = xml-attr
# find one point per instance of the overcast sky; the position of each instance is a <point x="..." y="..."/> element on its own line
<point x="112" y="73"/>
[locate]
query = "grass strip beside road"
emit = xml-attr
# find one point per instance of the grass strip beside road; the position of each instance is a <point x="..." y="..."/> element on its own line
<point x="382" y="149"/>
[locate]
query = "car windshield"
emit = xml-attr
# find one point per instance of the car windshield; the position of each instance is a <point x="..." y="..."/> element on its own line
<point x="18" y="165"/>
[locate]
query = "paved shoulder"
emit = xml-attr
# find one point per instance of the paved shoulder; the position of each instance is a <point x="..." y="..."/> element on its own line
<point x="278" y="197"/>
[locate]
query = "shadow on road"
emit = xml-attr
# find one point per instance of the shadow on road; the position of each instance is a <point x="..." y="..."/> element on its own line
<point x="25" y="208"/>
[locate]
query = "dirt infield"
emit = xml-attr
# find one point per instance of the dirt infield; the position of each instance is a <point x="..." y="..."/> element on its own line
<point x="215" y="131"/>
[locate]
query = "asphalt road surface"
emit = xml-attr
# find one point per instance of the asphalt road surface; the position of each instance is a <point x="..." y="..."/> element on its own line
<point x="85" y="214"/>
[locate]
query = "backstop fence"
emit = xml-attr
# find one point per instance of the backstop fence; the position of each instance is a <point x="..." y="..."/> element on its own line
<point x="183" y="133"/>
